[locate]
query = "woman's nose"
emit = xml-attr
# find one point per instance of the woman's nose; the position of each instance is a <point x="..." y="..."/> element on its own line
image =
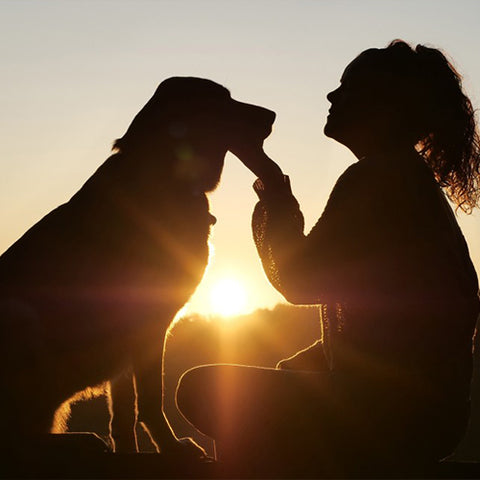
<point x="331" y="95"/>
<point x="334" y="95"/>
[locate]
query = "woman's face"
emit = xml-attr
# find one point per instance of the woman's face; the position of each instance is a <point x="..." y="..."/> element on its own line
<point x="362" y="106"/>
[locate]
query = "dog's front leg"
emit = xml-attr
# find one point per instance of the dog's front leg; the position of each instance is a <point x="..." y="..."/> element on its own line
<point x="148" y="379"/>
<point x="123" y="413"/>
<point x="149" y="382"/>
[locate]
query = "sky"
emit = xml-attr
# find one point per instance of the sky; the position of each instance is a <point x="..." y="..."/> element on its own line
<point x="76" y="72"/>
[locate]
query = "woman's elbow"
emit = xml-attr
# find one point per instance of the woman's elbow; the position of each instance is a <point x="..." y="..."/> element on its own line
<point x="298" y="294"/>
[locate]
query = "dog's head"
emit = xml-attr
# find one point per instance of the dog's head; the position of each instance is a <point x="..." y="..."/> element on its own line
<point x="189" y="124"/>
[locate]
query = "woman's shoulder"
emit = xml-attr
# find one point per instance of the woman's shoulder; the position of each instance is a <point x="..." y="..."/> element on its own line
<point x="365" y="176"/>
<point x="367" y="169"/>
<point x="356" y="190"/>
<point x="378" y="186"/>
<point x="383" y="173"/>
<point x="353" y="176"/>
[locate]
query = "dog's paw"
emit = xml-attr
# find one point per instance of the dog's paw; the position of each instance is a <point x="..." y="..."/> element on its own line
<point x="128" y="445"/>
<point x="185" y="448"/>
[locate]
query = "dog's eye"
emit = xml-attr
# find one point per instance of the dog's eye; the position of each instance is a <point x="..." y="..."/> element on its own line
<point x="177" y="129"/>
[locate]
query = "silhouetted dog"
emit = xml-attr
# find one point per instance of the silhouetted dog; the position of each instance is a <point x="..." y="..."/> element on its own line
<point x="89" y="291"/>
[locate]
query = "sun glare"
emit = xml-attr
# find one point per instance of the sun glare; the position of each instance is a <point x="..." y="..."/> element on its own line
<point x="228" y="297"/>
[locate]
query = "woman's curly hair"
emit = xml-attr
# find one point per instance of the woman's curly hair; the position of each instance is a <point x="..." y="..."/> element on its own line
<point x="441" y="117"/>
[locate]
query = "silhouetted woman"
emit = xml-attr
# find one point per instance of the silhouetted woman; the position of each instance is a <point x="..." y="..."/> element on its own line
<point x="389" y="383"/>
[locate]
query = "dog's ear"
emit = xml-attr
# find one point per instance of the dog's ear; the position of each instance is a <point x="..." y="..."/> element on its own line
<point x="147" y="124"/>
<point x="166" y="113"/>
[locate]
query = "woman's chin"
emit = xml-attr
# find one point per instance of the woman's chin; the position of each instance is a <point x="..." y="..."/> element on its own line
<point x="336" y="131"/>
<point x="326" y="130"/>
<point x="329" y="130"/>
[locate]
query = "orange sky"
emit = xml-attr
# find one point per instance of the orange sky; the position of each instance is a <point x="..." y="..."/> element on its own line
<point x="76" y="72"/>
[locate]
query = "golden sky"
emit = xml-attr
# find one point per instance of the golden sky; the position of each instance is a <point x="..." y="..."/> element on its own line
<point x="74" y="73"/>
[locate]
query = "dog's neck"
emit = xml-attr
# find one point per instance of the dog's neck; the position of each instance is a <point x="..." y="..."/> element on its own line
<point x="166" y="173"/>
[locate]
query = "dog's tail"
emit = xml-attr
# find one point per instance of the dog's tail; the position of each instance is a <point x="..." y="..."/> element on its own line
<point x="63" y="412"/>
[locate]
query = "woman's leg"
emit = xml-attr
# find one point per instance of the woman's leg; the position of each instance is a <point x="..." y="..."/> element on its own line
<point x="311" y="359"/>
<point x="261" y="416"/>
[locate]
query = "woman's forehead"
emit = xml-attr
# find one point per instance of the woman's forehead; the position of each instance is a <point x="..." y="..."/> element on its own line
<point x="362" y="65"/>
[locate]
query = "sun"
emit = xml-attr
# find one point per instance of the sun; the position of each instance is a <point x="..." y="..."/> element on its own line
<point x="228" y="297"/>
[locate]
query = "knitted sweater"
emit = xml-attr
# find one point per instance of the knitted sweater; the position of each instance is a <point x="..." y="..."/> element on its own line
<point x="391" y="270"/>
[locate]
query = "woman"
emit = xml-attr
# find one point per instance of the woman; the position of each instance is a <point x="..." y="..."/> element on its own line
<point x="390" y="268"/>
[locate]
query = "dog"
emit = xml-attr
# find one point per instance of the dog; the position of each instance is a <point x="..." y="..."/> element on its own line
<point x="87" y="293"/>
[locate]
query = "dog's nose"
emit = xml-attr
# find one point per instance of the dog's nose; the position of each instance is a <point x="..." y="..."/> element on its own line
<point x="270" y="115"/>
<point x="252" y="120"/>
<point x="265" y="119"/>
<point x="254" y="113"/>
<point x="264" y="115"/>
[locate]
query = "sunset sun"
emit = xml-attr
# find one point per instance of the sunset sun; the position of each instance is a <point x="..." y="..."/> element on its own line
<point x="228" y="297"/>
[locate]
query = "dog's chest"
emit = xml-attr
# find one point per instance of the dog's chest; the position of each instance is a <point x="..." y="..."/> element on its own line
<point x="186" y="219"/>
<point x="169" y="234"/>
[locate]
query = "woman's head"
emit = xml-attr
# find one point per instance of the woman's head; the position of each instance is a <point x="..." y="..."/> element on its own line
<point x="398" y="97"/>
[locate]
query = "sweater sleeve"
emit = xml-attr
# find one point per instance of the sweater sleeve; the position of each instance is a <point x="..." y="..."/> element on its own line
<point x="321" y="266"/>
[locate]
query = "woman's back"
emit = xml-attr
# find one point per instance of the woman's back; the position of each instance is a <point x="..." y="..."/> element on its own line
<point x="410" y="293"/>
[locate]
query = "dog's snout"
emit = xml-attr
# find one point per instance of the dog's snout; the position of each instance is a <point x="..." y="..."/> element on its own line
<point x="253" y="120"/>
<point x="263" y="115"/>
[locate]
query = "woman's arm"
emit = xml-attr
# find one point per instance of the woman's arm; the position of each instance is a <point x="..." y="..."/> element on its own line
<point x="301" y="267"/>
<point x="306" y="269"/>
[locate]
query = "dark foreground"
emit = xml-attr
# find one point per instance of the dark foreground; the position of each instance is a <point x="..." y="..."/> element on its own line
<point x="153" y="466"/>
<point x="60" y="460"/>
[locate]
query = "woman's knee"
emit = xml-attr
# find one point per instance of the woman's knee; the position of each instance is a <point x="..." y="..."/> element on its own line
<point x="188" y="391"/>
<point x="200" y="397"/>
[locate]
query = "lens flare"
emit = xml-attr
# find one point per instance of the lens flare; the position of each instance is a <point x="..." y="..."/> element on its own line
<point x="228" y="297"/>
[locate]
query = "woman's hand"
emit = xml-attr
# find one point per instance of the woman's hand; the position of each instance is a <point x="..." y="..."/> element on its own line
<point x="256" y="160"/>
